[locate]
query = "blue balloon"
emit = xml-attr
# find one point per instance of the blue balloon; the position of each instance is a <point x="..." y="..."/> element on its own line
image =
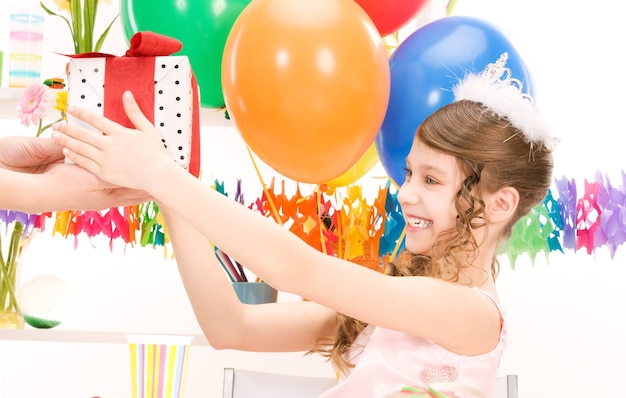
<point x="425" y="67"/>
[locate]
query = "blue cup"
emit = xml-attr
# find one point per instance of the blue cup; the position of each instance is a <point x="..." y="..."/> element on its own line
<point x="255" y="292"/>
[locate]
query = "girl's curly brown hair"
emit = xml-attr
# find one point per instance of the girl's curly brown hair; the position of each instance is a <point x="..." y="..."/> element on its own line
<point x="492" y="154"/>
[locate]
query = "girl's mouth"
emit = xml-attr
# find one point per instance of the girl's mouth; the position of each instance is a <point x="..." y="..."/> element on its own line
<point x="418" y="222"/>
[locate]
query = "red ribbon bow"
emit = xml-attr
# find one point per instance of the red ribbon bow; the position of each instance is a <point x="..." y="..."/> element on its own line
<point x="143" y="44"/>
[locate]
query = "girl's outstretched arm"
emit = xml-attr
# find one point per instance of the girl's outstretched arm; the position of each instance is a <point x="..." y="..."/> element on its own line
<point x="225" y="321"/>
<point x="457" y="317"/>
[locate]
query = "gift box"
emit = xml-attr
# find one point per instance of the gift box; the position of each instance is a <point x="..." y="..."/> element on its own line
<point x="163" y="85"/>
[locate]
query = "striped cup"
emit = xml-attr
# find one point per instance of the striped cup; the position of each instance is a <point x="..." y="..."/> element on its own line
<point x="26" y="42"/>
<point x="158" y="365"/>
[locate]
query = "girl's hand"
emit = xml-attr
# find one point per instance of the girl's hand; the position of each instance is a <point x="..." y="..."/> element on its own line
<point x="127" y="157"/>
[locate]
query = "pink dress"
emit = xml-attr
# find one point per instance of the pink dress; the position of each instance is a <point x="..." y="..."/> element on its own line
<point x="387" y="360"/>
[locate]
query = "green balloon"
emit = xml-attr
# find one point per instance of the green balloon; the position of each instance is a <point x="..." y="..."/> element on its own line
<point x="201" y="25"/>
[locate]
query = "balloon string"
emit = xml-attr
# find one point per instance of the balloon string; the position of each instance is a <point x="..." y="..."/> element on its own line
<point x="390" y="47"/>
<point x="398" y="244"/>
<point x="319" y="211"/>
<point x="339" y="226"/>
<point x="401" y="237"/>
<point x="267" y="193"/>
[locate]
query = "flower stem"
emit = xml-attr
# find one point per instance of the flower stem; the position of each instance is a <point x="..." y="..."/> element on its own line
<point x="8" y="267"/>
<point x="47" y="126"/>
<point x="39" y="129"/>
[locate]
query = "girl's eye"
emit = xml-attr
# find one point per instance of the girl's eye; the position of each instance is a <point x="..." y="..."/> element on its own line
<point x="429" y="180"/>
<point x="407" y="174"/>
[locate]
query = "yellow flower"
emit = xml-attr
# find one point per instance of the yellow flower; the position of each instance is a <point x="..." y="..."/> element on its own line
<point x="61" y="102"/>
<point x="63" y="5"/>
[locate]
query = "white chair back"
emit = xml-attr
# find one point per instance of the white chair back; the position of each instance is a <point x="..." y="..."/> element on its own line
<point x="242" y="383"/>
<point x="506" y="387"/>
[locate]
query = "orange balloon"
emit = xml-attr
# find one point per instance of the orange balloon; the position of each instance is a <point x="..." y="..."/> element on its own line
<point x="354" y="173"/>
<point x="306" y="83"/>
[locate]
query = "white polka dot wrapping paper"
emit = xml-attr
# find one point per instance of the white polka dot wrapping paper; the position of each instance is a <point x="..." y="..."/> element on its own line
<point x="164" y="87"/>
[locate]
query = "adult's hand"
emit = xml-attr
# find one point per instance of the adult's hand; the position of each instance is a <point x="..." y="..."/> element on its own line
<point x="29" y="154"/>
<point x="34" y="178"/>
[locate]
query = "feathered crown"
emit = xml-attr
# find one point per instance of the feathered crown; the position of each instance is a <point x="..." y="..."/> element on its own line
<point x="496" y="89"/>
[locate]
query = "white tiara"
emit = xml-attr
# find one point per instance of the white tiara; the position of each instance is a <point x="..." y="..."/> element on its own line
<point x="496" y="89"/>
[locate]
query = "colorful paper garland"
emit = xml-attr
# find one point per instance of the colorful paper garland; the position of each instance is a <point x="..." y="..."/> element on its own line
<point x="344" y="223"/>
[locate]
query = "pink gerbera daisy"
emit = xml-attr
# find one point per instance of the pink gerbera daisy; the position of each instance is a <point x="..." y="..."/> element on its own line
<point x="32" y="108"/>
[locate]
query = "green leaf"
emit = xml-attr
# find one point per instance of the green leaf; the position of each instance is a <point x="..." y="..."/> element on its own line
<point x="49" y="11"/>
<point x="104" y="34"/>
<point x="69" y="24"/>
<point x="77" y="24"/>
<point x="90" y="8"/>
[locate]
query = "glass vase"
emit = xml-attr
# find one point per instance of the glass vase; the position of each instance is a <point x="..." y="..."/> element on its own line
<point x="14" y="240"/>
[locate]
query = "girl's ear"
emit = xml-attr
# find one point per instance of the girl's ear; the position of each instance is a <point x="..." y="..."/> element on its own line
<point x="502" y="204"/>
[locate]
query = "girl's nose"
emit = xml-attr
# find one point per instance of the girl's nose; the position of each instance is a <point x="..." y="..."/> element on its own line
<point x="408" y="193"/>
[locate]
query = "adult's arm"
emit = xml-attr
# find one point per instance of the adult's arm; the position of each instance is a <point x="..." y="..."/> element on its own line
<point x="34" y="178"/>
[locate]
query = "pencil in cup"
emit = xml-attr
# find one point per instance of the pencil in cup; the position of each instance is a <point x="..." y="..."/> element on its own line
<point x="158" y="365"/>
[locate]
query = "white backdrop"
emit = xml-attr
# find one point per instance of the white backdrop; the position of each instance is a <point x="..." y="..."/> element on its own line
<point x="566" y="312"/>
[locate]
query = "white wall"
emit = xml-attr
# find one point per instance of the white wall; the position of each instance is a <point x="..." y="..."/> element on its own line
<point x="566" y="314"/>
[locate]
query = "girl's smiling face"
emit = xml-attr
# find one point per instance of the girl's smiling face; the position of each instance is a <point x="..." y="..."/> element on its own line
<point x="427" y="196"/>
